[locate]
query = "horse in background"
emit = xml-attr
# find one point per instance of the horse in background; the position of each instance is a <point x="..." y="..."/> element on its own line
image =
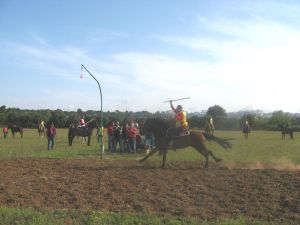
<point x="285" y="129"/>
<point x="195" y="139"/>
<point x="14" y="129"/>
<point x="246" y="130"/>
<point x="82" y="131"/>
<point x="41" y="130"/>
<point x="209" y="129"/>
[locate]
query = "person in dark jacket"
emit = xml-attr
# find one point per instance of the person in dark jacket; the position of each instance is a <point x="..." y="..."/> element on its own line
<point x="124" y="138"/>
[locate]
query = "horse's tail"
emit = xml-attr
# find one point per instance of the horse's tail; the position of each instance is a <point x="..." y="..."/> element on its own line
<point x="223" y="142"/>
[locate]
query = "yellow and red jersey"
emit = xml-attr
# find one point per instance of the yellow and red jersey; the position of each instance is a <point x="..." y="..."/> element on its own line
<point x="180" y="118"/>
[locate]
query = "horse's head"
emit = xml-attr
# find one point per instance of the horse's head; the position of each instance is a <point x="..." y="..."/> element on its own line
<point x="280" y="126"/>
<point x="155" y="125"/>
<point x="10" y="126"/>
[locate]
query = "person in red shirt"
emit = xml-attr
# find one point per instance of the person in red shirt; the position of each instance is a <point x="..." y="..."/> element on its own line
<point x="5" y="131"/>
<point x="51" y="133"/>
<point x="131" y="133"/>
<point x="110" y="136"/>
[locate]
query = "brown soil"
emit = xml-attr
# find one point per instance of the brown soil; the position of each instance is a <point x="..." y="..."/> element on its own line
<point x="183" y="189"/>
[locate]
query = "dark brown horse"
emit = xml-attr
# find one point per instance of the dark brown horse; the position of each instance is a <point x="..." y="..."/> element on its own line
<point x="86" y="131"/>
<point x="195" y="139"/>
<point x="14" y="129"/>
<point x="285" y="129"/>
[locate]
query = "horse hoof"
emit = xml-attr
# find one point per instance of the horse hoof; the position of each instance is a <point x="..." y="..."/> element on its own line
<point x="219" y="160"/>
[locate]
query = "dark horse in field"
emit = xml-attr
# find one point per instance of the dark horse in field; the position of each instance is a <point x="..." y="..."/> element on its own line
<point x="14" y="129"/>
<point x="246" y="130"/>
<point x="85" y="131"/>
<point x="285" y="129"/>
<point x="195" y="139"/>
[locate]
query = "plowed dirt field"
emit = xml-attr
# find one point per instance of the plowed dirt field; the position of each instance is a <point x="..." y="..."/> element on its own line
<point x="183" y="189"/>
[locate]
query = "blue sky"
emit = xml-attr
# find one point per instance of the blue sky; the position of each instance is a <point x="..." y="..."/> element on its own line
<point x="236" y="54"/>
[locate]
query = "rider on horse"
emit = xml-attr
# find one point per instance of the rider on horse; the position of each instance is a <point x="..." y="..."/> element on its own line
<point x="247" y="124"/>
<point x="82" y="123"/>
<point x="211" y="122"/>
<point x="42" y="124"/>
<point x="180" y="119"/>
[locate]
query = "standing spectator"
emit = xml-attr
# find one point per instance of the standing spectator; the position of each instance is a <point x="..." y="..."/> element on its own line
<point x="124" y="138"/>
<point x="5" y="132"/>
<point x="51" y="133"/>
<point x="117" y="136"/>
<point x="110" y="135"/>
<point x="132" y="131"/>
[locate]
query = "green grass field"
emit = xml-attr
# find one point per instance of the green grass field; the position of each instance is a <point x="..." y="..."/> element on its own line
<point x="10" y="216"/>
<point x="262" y="147"/>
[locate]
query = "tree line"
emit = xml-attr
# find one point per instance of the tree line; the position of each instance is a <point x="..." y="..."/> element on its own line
<point x="223" y="120"/>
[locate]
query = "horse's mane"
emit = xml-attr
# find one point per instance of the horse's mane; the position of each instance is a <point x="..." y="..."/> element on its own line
<point x="159" y="122"/>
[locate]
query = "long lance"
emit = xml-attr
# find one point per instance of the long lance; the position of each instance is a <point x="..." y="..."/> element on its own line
<point x="89" y="121"/>
<point x="174" y="100"/>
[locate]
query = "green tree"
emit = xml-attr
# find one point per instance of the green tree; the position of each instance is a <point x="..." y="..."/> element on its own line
<point x="216" y="111"/>
<point x="280" y="117"/>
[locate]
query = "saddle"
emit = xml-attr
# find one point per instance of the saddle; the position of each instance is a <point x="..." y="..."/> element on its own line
<point x="175" y="132"/>
<point x="183" y="132"/>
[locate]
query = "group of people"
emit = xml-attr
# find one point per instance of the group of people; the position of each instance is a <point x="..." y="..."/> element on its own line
<point x="123" y="137"/>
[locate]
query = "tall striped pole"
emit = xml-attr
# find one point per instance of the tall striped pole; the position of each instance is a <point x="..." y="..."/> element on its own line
<point x="100" y="131"/>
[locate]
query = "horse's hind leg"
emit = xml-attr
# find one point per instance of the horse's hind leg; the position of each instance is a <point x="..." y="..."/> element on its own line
<point x="213" y="156"/>
<point x="148" y="155"/>
<point x="203" y="150"/>
<point x="89" y="140"/>
<point x="70" y="139"/>
<point x="164" y="158"/>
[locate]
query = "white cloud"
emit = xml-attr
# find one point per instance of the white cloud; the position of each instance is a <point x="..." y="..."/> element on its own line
<point x="252" y="62"/>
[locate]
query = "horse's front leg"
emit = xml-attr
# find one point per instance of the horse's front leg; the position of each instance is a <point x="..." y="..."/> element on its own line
<point x="71" y="137"/>
<point x="89" y="139"/>
<point x="148" y="155"/>
<point x="206" y="163"/>
<point x="164" y="152"/>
